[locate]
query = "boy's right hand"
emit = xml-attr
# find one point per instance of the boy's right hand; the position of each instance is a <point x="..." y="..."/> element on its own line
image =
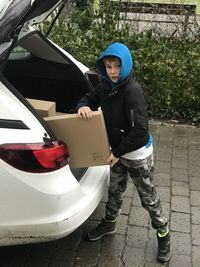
<point x="85" y="113"/>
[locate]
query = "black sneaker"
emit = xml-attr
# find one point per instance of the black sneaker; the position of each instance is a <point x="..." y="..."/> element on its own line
<point x="163" y="248"/>
<point x="105" y="227"/>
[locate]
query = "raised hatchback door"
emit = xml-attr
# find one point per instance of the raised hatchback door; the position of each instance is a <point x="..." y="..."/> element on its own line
<point x="15" y="14"/>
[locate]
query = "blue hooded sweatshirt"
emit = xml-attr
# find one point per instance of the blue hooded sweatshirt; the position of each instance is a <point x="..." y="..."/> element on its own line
<point x="122" y="52"/>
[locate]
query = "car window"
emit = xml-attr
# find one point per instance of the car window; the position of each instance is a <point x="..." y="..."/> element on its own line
<point x="19" y="49"/>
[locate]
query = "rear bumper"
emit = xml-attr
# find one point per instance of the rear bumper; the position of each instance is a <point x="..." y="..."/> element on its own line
<point x="58" y="228"/>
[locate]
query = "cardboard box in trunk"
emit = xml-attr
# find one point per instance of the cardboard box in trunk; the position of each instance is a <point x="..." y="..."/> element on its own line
<point x="87" y="140"/>
<point x="45" y="108"/>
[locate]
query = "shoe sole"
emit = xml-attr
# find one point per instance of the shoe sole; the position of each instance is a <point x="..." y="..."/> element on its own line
<point x="97" y="238"/>
<point x="164" y="261"/>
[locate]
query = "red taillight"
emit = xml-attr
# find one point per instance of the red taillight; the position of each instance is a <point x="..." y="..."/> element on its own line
<point x="39" y="157"/>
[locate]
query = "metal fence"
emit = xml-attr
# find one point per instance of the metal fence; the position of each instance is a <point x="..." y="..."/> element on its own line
<point x="165" y="19"/>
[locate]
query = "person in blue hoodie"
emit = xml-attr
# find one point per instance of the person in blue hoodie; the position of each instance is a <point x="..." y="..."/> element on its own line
<point x="124" y="107"/>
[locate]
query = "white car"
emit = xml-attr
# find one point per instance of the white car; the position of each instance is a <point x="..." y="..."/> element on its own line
<point x="41" y="198"/>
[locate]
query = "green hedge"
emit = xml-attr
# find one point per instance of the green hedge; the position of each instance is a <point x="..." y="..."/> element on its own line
<point x="169" y="71"/>
<point x="167" y="68"/>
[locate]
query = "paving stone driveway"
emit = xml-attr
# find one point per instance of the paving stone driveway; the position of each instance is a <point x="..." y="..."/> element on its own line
<point x="177" y="177"/>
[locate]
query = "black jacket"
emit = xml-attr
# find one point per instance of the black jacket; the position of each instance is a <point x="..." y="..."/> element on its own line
<point x="125" y="114"/>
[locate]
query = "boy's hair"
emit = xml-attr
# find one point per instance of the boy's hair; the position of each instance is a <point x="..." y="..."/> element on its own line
<point x="111" y="59"/>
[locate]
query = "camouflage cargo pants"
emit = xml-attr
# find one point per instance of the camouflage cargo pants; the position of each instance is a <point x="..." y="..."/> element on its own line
<point x="141" y="172"/>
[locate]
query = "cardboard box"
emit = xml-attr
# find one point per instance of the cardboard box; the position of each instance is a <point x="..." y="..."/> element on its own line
<point x="45" y="108"/>
<point x="87" y="140"/>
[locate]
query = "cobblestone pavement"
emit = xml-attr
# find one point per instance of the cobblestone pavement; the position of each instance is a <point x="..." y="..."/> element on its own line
<point x="177" y="178"/>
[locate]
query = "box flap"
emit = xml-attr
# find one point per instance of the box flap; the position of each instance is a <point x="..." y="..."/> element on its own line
<point x="45" y="108"/>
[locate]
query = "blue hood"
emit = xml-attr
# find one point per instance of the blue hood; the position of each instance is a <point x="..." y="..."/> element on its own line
<point x="122" y="52"/>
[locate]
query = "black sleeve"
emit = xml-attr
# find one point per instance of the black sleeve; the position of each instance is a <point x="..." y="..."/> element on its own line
<point x="91" y="99"/>
<point x="136" y="112"/>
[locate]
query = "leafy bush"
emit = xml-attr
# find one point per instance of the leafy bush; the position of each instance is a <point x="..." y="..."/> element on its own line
<point x="167" y="68"/>
<point x="87" y="33"/>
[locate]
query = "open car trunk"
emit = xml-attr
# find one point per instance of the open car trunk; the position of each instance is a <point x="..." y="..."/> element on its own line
<point x="42" y="71"/>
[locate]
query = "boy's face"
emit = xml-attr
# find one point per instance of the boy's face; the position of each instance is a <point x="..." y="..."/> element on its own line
<point x="112" y="65"/>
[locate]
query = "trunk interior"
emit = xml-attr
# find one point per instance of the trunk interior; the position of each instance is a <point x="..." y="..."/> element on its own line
<point x="42" y="72"/>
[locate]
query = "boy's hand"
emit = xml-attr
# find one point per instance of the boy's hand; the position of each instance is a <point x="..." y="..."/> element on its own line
<point x="112" y="160"/>
<point x="85" y="113"/>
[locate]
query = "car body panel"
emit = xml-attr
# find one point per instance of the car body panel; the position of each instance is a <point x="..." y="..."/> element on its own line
<point x="67" y="213"/>
<point x="35" y="133"/>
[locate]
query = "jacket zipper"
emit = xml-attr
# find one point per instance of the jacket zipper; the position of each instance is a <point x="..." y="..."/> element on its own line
<point x="132" y="118"/>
